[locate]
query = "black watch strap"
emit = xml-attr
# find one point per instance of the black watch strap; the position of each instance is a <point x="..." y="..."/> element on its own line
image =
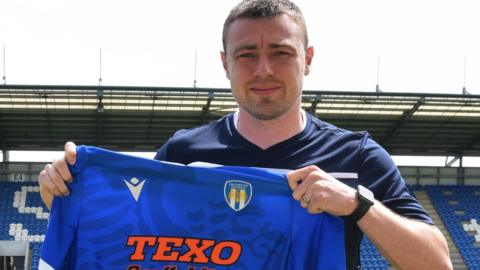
<point x="365" y="201"/>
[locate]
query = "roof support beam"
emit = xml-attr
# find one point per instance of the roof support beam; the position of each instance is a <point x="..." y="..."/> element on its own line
<point x="452" y="161"/>
<point x="206" y="108"/>
<point x="5" y="155"/>
<point x="406" y="116"/>
<point x="47" y="112"/>
<point x="152" y="112"/>
<point x="313" y="107"/>
<point x="100" y="111"/>
<point x="2" y="141"/>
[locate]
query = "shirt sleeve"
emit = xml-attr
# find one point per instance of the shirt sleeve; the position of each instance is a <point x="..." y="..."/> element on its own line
<point x="162" y="153"/>
<point x="378" y="172"/>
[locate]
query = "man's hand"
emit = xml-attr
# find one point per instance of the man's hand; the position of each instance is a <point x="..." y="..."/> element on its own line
<point x="392" y="234"/>
<point x="53" y="177"/>
<point x="320" y="192"/>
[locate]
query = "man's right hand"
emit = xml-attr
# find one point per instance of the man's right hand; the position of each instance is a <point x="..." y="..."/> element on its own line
<point x="53" y="177"/>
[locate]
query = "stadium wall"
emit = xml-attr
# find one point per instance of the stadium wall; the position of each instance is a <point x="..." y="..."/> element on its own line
<point x="413" y="175"/>
<point x="422" y="175"/>
<point x="20" y="171"/>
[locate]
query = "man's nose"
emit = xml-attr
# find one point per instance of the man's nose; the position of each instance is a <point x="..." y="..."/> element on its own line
<point x="263" y="67"/>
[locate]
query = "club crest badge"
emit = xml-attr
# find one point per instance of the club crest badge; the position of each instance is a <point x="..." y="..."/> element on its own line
<point x="237" y="194"/>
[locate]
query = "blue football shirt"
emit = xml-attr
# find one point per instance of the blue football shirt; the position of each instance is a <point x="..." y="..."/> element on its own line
<point x="132" y="213"/>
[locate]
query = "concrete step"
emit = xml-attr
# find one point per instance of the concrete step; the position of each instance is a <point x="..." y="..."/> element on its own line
<point x="455" y="256"/>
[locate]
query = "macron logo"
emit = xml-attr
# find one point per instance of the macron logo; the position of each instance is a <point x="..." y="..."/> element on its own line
<point x="135" y="186"/>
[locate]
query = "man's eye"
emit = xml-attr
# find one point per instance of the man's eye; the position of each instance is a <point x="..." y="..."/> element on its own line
<point x="246" y="55"/>
<point x="281" y="53"/>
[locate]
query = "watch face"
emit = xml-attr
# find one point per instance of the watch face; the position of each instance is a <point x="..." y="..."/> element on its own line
<point x="366" y="194"/>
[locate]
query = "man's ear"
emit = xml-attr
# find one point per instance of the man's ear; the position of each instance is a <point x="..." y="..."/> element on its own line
<point x="223" y="55"/>
<point x="308" y="59"/>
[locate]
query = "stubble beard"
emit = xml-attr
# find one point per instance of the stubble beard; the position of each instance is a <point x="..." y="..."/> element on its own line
<point x="267" y="109"/>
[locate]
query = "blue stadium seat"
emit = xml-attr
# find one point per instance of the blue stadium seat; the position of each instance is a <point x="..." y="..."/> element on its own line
<point x="468" y="204"/>
<point x="10" y="215"/>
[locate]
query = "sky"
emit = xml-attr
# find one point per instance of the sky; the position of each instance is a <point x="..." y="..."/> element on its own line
<point x="419" y="46"/>
<point x="416" y="45"/>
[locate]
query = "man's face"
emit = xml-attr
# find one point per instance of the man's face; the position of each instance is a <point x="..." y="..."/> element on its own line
<point x="265" y="61"/>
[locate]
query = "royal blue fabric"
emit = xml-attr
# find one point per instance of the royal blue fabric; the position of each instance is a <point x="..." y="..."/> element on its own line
<point x="90" y="228"/>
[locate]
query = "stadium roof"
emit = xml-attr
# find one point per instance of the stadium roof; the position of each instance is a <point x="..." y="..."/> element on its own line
<point x="43" y="117"/>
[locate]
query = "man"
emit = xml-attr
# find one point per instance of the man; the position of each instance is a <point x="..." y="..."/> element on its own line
<point x="266" y="55"/>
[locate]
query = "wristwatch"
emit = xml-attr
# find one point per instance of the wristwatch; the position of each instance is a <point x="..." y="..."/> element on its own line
<point x="365" y="200"/>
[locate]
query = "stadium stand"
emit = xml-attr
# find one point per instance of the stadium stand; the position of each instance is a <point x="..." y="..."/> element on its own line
<point x="459" y="209"/>
<point x="370" y="256"/>
<point x="143" y="118"/>
<point x="424" y="199"/>
<point x="23" y="216"/>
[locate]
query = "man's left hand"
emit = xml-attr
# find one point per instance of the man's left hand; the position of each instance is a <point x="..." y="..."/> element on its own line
<point x="319" y="192"/>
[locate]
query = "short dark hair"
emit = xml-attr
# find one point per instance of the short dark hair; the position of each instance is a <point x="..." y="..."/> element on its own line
<point x="255" y="9"/>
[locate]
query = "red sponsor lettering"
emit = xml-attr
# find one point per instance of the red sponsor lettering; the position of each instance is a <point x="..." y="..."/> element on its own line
<point x="164" y="249"/>
<point x="196" y="250"/>
<point x="139" y="243"/>
<point x="236" y="250"/>
<point x="190" y="250"/>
